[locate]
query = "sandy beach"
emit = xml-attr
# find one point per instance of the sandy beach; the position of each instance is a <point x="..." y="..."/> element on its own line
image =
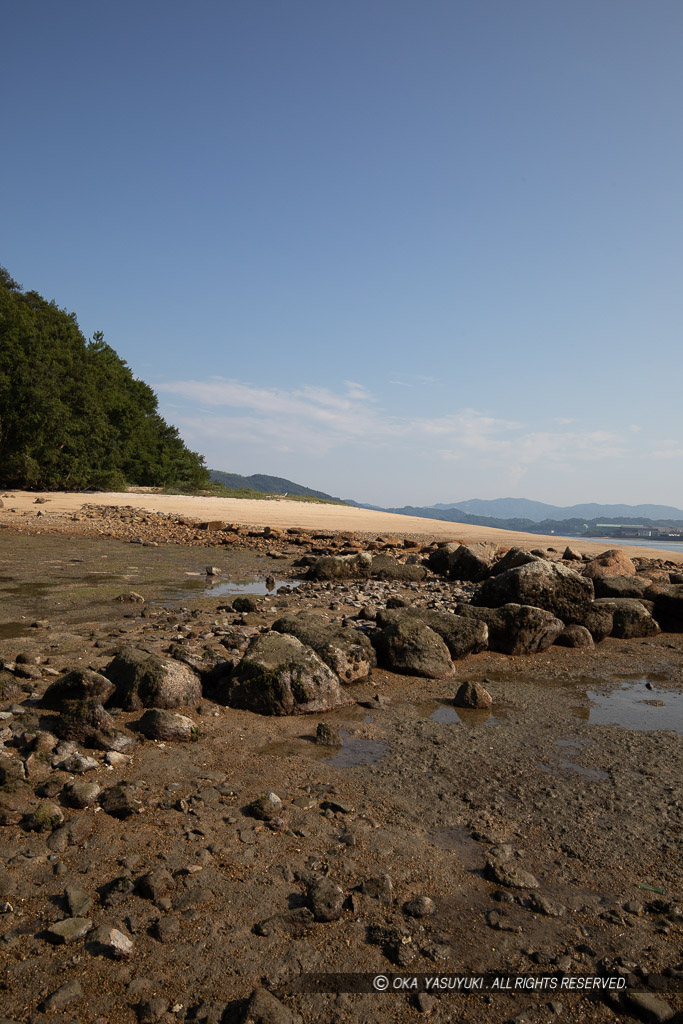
<point x="284" y="514"/>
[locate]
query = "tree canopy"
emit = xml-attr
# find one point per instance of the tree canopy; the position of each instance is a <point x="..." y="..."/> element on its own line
<point x="72" y="415"/>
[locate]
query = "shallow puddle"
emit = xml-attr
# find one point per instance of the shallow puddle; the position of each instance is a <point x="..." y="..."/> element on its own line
<point x="448" y="714"/>
<point x="635" y="706"/>
<point x="10" y="630"/>
<point x="257" y="587"/>
<point x="594" y="774"/>
<point x="356" y="751"/>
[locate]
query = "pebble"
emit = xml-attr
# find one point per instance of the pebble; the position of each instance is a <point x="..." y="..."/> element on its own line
<point x="69" y="930"/>
<point x="114" y="942"/>
<point x="419" y="906"/>
<point x="326" y="899"/>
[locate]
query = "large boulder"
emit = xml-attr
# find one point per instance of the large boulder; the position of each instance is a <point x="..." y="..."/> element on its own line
<point x="471" y="562"/>
<point x="575" y="636"/>
<point x="144" y="680"/>
<point x="668" y="606"/>
<point x="347" y="651"/>
<point x="630" y="618"/>
<point x="463" y="561"/>
<point x="439" y="559"/>
<point x="461" y="635"/>
<point x="610" y="563"/>
<point x="515" y="628"/>
<point x="86" y="722"/>
<point x="620" y="586"/>
<point x="599" y="619"/>
<point x="512" y="559"/>
<point x="384" y="567"/>
<point x="81" y="684"/>
<point x="279" y="675"/>
<point x="548" y="585"/>
<point x="409" y="646"/>
<point x="341" y="567"/>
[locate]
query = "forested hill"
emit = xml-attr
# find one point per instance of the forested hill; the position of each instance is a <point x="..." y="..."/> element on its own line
<point x="72" y="415"/>
<point x="266" y="484"/>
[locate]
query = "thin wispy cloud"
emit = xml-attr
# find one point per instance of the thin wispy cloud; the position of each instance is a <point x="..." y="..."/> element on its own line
<point x="318" y="420"/>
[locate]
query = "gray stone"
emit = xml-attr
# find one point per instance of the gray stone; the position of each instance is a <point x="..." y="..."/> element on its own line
<point x="156" y="724"/>
<point x="78" y="901"/>
<point x="279" y="675"/>
<point x="155" y="884"/>
<point x="461" y="635"/>
<point x="649" y="1007"/>
<point x="575" y="636"/>
<point x="505" y="873"/>
<point x="85" y="722"/>
<point x="419" y="906"/>
<point x="69" y="992"/>
<point x="630" y="618"/>
<point x="541" y="584"/>
<point x="516" y="628"/>
<point x="69" y="930"/>
<point x="145" y="680"/>
<point x="347" y="651"/>
<point x="81" y="793"/>
<point x="341" y="567"/>
<point x="410" y="647"/>
<point x="266" y="807"/>
<point x="80" y="684"/>
<point x="121" y="801"/>
<point x="264" y="1008"/>
<point x="472" y="695"/>
<point x="326" y="899"/>
<point x="112" y="942"/>
<point x="379" y="888"/>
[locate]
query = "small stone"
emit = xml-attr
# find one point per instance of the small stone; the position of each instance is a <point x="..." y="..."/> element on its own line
<point x="472" y="695"/>
<point x="419" y="906"/>
<point x="167" y="929"/>
<point x="152" y="1010"/>
<point x="649" y="1007"/>
<point x="68" y="930"/>
<point x="111" y="941"/>
<point x="510" y="876"/>
<point x="78" y="901"/>
<point x="82" y="793"/>
<point x="380" y="888"/>
<point x="155" y="884"/>
<point x="328" y="735"/>
<point x="266" y="807"/>
<point x="326" y="899"/>
<point x="46" y="817"/>
<point x="68" y="993"/>
<point x="157" y="724"/>
<point x="542" y="905"/>
<point x="121" y="801"/>
<point x="264" y="1008"/>
<point x="424" y="1003"/>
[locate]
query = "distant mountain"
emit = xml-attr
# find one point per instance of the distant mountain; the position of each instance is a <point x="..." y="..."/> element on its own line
<point x="537" y="511"/>
<point x="266" y="484"/>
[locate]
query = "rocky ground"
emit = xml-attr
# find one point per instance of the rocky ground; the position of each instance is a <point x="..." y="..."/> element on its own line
<point x="156" y="869"/>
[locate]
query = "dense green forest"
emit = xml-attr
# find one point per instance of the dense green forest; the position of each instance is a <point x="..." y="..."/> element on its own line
<point x="72" y="415"/>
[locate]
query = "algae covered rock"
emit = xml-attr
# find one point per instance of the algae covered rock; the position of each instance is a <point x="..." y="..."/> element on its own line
<point x="147" y="680"/>
<point x="347" y="651"/>
<point x="80" y="684"/>
<point x="553" y="587"/>
<point x="409" y="646"/>
<point x="279" y="675"/>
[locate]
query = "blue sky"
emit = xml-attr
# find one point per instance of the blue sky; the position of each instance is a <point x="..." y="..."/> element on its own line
<point x="401" y="251"/>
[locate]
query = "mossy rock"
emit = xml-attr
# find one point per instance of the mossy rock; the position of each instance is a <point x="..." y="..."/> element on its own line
<point x="279" y="675"/>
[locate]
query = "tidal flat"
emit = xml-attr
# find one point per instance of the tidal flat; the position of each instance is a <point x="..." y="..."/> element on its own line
<point x="536" y="835"/>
